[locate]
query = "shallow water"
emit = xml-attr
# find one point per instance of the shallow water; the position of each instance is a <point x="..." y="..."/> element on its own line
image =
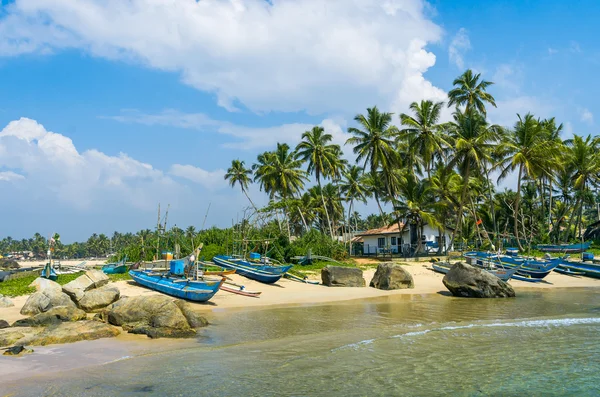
<point x="541" y="343"/>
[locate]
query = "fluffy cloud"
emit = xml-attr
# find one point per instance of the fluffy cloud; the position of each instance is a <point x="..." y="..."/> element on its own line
<point x="459" y="45"/>
<point x="586" y="116"/>
<point x="246" y="138"/>
<point x="50" y="168"/>
<point x="284" y="55"/>
<point x="208" y="179"/>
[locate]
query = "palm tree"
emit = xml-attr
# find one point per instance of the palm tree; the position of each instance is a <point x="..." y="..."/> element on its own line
<point x="422" y="131"/>
<point x="239" y="174"/>
<point x="471" y="92"/>
<point x="527" y="149"/>
<point x="374" y="143"/>
<point x="322" y="157"/>
<point x="473" y="139"/>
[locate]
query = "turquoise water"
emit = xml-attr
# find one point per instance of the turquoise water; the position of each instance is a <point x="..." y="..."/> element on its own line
<point x="537" y="344"/>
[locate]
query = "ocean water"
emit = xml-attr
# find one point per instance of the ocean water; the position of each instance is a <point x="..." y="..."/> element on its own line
<point x="538" y="344"/>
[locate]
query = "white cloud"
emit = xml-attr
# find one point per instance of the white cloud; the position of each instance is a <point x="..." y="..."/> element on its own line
<point x="51" y="169"/>
<point x="246" y="138"/>
<point x="506" y="112"/>
<point x="459" y="45"/>
<point x="304" y="55"/>
<point x="552" y="51"/>
<point x="508" y="77"/>
<point x="586" y="116"/>
<point x="209" y="179"/>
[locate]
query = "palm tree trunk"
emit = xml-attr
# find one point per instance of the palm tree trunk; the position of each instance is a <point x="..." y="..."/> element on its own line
<point x="378" y="204"/>
<point x="461" y="204"/>
<point x="549" y="204"/>
<point x="493" y="207"/>
<point x="249" y="199"/>
<point x="324" y="206"/>
<point x="303" y="220"/>
<point x="517" y="200"/>
<point x="349" y="227"/>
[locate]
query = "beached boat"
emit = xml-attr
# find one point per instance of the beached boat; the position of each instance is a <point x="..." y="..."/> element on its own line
<point x="502" y="273"/>
<point x="528" y="268"/>
<point x="193" y="290"/>
<point x="582" y="268"/>
<point x="116" y="268"/>
<point x="566" y="248"/>
<point x="261" y="263"/>
<point x="252" y="272"/>
<point x="49" y="272"/>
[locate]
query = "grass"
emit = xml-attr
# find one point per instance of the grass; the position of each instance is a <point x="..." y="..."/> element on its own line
<point x="20" y="286"/>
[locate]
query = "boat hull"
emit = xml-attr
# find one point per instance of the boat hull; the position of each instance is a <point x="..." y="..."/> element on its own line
<point x="581" y="268"/>
<point x="197" y="291"/>
<point x="112" y="269"/>
<point x="566" y="248"/>
<point x="248" y="271"/>
<point x="529" y="268"/>
<point x="502" y="274"/>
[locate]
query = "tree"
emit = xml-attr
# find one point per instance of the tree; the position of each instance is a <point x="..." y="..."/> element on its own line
<point x="323" y="158"/>
<point x="242" y="176"/>
<point x="471" y="92"/>
<point x="527" y="150"/>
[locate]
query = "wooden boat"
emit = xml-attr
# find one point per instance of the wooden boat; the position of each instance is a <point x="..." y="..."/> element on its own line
<point x="529" y="268"/>
<point x="116" y="268"/>
<point x="300" y="279"/>
<point x="49" y="272"/>
<point x="252" y="272"/>
<point x="583" y="268"/>
<point x="502" y="273"/>
<point x="566" y="248"/>
<point x="193" y="290"/>
<point x="263" y="263"/>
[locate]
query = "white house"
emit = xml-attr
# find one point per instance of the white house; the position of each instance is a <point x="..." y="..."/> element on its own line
<point x="387" y="240"/>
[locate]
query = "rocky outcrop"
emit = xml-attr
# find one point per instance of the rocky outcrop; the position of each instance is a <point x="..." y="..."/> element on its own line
<point x="194" y="319"/>
<point x="16" y="351"/>
<point x="390" y="276"/>
<point x="468" y="281"/>
<point x="54" y="315"/>
<point x="4" y="324"/>
<point x="99" y="298"/>
<point x="155" y="316"/>
<point x="339" y="276"/>
<point x="41" y="284"/>
<point x="69" y="332"/>
<point x="77" y="288"/>
<point x="10" y="336"/>
<point x="9" y="264"/>
<point x="37" y="303"/>
<point x="5" y="301"/>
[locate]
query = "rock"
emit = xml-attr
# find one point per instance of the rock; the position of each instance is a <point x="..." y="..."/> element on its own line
<point x="17" y="350"/>
<point x="10" y="336"/>
<point x="53" y="316"/>
<point x="472" y="282"/>
<point x="4" y="324"/>
<point x="41" y="284"/>
<point x="38" y="302"/>
<point x="68" y="332"/>
<point x="77" y="288"/>
<point x="339" y="276"/>
<point x="99" y="298"/>
<point x="9" y="264"/>
<point x="154" y="316"/>
<point x="390" y="276"/>
<point x="58" y="298"/>
<point x="194" y="319"/>
<point x="98" y="278"/>
<point x="5" y="301"/>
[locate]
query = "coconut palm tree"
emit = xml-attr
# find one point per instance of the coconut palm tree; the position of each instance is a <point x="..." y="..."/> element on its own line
<point x="422" y="131"/>
<point x="471" y="92"/>
<point x="473" y="139"/>
<point x="240" y="175"/>
<point x="527" y="150"/>
<point x="322" y="157"/>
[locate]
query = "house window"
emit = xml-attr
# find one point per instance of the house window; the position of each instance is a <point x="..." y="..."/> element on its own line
<point x="393" y="243"/>
<point x="381" y="242"/>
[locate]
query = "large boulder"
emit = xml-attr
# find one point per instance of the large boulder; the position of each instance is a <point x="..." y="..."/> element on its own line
<point x="98" y="277"/>
<point x="99" y="298"/>
<point x="40" y="302"/>
<point x="5" y="301"/>
<point x="472" y="282"/>
<point x="4" y="324"/>
<point x="10" y="336"/>
<point x="41" y="284"/>
<point x="77" y="288"/>
<point x="154" y="316"/>
<point x="339" y="276"/>
<point x="68" y="332"/>
<point x="194" y="319"/>
<point x="390" y="276"/>
<point x="9" y="264"/>
<point x="53" y="316"/>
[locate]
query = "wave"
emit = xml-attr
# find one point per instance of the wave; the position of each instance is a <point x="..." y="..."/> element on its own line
<point x="561" y="322"/>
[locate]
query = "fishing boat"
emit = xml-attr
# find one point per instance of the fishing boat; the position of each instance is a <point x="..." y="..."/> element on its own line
<point x="566" y="248"/>
<point x="583" y="268"/>
<point x="116" y="268"/>
<point x="502" y="273"/>
<point x="193" y="290"/>
<point x="528" y="267"/>
<point x="49" y="272"/>
<point x="251" y="272"/>
<point x="259" y="262"/>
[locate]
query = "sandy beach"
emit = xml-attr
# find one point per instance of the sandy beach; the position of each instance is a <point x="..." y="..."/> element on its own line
<point x="292" y="293"/>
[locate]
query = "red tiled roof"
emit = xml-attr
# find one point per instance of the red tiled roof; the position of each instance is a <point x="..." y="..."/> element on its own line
<point x="382" y="230"/>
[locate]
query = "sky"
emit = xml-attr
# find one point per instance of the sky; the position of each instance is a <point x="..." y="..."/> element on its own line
<point x="110" y="107"/>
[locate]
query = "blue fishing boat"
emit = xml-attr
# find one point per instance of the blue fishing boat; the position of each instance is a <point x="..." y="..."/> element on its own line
<point x="193" y="290"/>
<point x="566" y="248"/>
<point x="261" y="263"/>
<point x="529" y="268"/>
<point x="502" y="273"/>
<point x="116" y="268"/>
<point x="49" y="272"/>
<point x="582" y="268"/>
<point x="252" y="272"/>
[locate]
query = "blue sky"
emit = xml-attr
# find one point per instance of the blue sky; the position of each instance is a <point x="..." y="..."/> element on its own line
<point x="149" y="101"/>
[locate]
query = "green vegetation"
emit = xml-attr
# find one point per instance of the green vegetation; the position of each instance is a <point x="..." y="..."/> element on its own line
<point x="20" y="286"/>
<point x="425" y="170"/>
